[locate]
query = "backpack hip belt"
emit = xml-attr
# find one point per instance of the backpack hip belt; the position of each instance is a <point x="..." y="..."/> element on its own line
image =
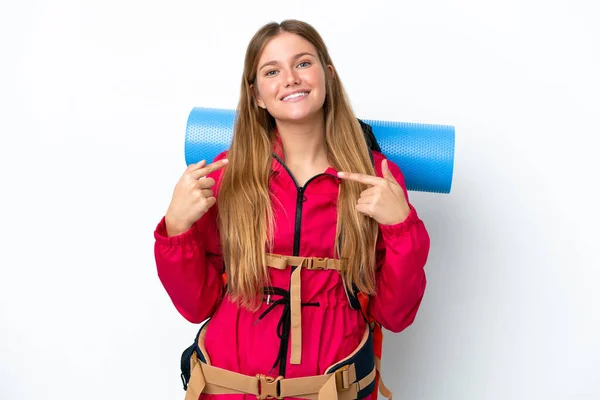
<point x="356" y="376"/>
<point x="345" y="380"/>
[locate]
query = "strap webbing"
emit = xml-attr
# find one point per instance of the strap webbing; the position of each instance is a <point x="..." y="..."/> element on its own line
<point x="339" y="385"/>
<point x="312" y="263"/>
<point x="212" y="380"/>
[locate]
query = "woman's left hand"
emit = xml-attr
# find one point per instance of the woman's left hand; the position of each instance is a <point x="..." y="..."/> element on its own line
<point x="384" y="201"/>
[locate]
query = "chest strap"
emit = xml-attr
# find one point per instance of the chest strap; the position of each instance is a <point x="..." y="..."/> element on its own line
<point x="311" y="263"/>
<point x="281" y="262"/>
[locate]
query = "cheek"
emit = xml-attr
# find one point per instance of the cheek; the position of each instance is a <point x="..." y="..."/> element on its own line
<point x="267" y="90"/>
<point x="318" y="81"/>
<point x="322" y="89"/>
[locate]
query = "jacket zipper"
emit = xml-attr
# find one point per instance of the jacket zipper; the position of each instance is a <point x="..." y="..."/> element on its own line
<point x="297" y="227"/>
<point x="299" y="200"/>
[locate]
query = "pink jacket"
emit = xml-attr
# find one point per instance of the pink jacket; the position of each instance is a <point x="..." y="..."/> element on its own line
<point x="190" y="269"/>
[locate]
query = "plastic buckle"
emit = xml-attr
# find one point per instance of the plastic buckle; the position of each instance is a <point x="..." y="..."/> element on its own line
<point x="268" y="387"/>
<point x="184" y="381"/>
<point x="313" y="263"/>
<point x="319" y="263"/>
<point x="307" y="263"/>
<point x="342" y="379"/>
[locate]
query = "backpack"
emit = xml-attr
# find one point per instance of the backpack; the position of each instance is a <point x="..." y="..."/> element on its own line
<point x="357" y="299"/>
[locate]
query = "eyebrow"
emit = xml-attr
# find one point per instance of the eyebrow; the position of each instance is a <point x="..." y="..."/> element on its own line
<point x="297" y="56"/>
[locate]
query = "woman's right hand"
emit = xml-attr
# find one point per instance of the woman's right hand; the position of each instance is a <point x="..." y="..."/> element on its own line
<point x="192" y="197"/>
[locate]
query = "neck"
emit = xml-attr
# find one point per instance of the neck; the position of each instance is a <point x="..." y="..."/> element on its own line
<point x="303" y="143"/>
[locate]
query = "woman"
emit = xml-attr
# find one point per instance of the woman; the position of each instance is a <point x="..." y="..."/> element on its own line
<point x="304" y="220"/>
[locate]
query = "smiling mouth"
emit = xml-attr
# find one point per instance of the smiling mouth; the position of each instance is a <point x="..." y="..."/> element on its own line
<point x="295" y="96"/>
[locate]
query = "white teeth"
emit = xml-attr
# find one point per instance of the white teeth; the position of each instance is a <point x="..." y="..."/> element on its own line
<point x="293" y="96"/>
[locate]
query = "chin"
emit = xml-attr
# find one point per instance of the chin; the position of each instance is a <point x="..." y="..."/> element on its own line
<point x="301" y="115"/>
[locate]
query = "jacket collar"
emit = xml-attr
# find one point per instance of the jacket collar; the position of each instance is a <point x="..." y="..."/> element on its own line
<point x="277" y="167"/>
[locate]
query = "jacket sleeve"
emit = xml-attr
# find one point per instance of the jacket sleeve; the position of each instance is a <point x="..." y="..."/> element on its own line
<point x="190" y="267"/>
<point x="402" y="251"/>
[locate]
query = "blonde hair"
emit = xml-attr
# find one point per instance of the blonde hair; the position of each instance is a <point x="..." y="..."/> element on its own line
<point x="245" y="213"/>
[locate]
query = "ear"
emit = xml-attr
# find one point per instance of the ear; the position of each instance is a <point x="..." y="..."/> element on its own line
<point x="257" y="98"/>
<point x="331" y="71"/>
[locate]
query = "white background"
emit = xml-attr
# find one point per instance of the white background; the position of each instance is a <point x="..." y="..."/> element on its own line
<point x="94" y="102"/>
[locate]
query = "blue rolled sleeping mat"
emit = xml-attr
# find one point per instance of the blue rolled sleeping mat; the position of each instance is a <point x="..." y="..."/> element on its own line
<point x="424" y="152"/>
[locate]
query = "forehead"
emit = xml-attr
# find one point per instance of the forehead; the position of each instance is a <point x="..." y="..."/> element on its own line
<point x="284" y="47"/>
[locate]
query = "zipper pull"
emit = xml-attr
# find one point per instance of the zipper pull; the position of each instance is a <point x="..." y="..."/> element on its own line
<point x="301" y="194"/>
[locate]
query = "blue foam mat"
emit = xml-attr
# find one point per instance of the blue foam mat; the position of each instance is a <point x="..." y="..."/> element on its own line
<point x="424" y="152"/>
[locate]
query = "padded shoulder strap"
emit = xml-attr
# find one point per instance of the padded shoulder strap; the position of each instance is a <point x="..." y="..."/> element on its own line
<point x="369" y="136"/>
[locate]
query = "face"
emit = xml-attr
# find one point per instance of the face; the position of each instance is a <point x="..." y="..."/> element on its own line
<point x="290" y="81"/>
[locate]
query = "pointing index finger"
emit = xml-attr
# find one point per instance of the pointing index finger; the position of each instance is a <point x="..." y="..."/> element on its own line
<point x="204" y="171"/>
<point x="362" y="178"/>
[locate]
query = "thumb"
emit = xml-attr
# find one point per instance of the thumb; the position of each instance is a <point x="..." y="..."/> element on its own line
<point x="385" y="170"/>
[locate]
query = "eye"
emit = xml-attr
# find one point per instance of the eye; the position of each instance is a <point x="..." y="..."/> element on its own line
<point x="304" y="64"/>
<point x="271" y="72"/>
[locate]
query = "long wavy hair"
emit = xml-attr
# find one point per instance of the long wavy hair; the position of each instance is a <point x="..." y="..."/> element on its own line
<point x="246" y="222"/>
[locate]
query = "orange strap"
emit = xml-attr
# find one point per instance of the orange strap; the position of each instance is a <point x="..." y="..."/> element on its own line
<point x="377" y="346"/>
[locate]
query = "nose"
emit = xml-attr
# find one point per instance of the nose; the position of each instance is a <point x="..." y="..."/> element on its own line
<point x="292" y="78"/>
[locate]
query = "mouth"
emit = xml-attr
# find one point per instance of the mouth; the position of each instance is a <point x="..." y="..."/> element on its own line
<point x="294" y="95"/>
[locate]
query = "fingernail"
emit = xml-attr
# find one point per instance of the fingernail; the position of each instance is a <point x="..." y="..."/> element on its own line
<point x="225" y="161"/>
<point x="341" y="173"/>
